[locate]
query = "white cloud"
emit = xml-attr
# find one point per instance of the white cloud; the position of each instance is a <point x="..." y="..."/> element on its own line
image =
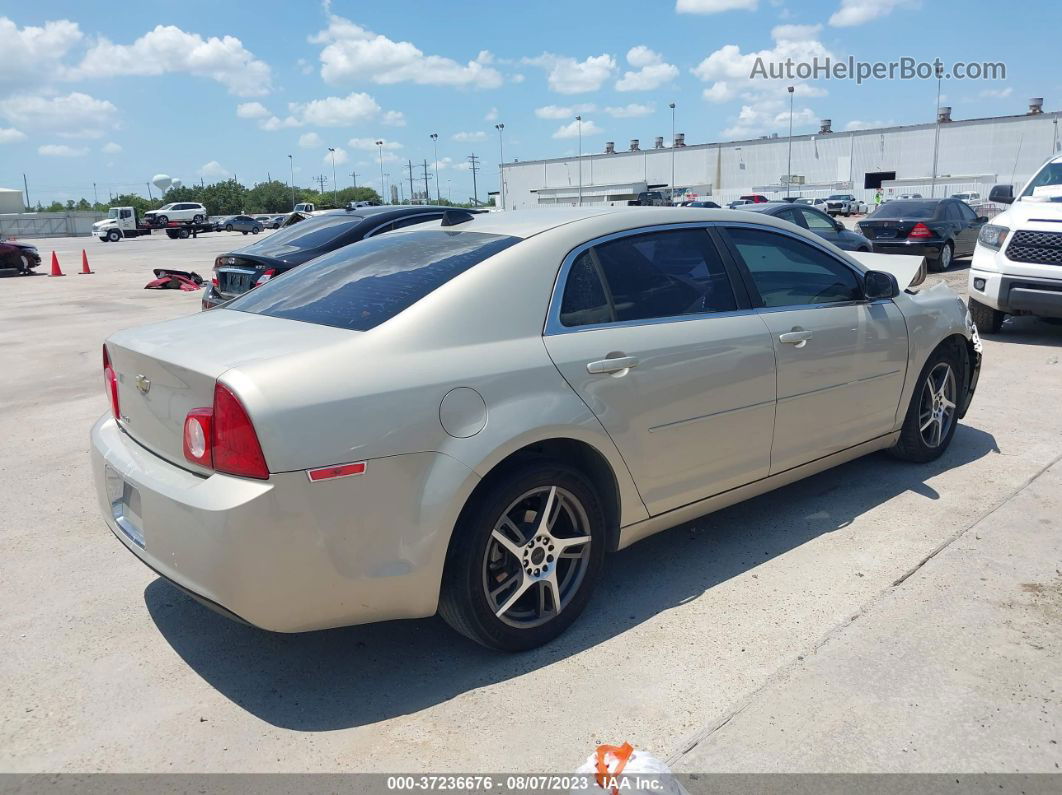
<point x="168" y="49"/>
<point x="214" y="170"/>
<point x="370" y="143"/>
<point x="632" y="111"/>
<point x="310" y="140"/>
<point x="31" y="53"/>
<point x="341" y="156"/>
<point x="62" y="150"/>
<point x="768" y="116"/>
<point x="252" y="110"/>
<point x="479" y="135"/>
<point x="274" y="123"/>
<point x="74" y="115"/>
<point x="713" y="6"/>
<point x="650" y="70"/>
<point x="354" y="108"/>
<point x="856" y="124"/>
<point x="352" y="52"/>
<point x="563" y="111"/>
<point x="566" y="75"/>
<point x="394" y="118"/>
<point x="9" y="135"/>
<point x="111" y="148"/>
<point x="859" y="12"/>
<point x="491" y="115"/>
<point x="572" y="130"/>
<point x="445" y="162"/>
<point x="996" y="93"/>
<point x="304" y="66"/>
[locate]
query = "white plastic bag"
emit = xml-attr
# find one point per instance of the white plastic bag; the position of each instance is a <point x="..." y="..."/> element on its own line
<point x="621" y="769"/>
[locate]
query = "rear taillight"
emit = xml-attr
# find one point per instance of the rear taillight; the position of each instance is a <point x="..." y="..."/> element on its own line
<point x="110" y="381"/>
<point x="198" y="441"/>
<point x="920" y="230"/>
<point x="265" y="277"/>
<point x="222" y="437"/>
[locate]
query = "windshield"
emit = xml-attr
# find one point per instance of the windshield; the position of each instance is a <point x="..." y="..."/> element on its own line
<point x="1049" y="176"/>
<point x="906" y="209"/>
<point x="314" y="232"/>
<point x="840" y="196"/>
<point x="366" y="283"/>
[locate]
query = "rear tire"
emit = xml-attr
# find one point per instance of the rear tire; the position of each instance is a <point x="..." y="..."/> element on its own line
<point x="932" y="415"/>
<point x="987" y="319"/>
<point x="255" y="230"/>
<point x="184" y="234"/>
<point x="505" y="571"/>
<point x="943" y="262"/>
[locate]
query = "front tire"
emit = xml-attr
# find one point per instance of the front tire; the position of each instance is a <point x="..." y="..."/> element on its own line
<point x="197" y="219"/>
<point x="161" y="220"/>
<point x="114" y="236"/>
<point x="987" y="319"/>
<point x="525" y="557"/>
<point x="933" y="415"/>
<point x="228" y="227"/>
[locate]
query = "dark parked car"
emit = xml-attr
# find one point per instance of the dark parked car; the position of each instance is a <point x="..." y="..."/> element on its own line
<point x="239" y="223"/>
<point x="937" y="229"/>
<point x="18" y="258"/>
<point x="702" y="203"/>
<point x="815" y="221"/>
<point x="650" y="198"/>
<point x="303" y="240"/>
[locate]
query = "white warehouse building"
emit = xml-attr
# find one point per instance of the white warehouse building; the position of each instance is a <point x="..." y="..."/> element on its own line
<point x="972" y="155"/>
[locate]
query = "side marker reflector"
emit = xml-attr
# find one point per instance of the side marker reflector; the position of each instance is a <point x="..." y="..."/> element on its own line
<point x="341" y="471"/>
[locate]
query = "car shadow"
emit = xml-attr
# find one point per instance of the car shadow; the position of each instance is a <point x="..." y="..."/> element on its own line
<point x="322" y="681"/>
<point x="1028" y="330"/>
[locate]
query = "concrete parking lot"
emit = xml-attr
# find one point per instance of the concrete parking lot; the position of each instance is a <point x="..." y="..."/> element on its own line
<point x="877" y="617"/>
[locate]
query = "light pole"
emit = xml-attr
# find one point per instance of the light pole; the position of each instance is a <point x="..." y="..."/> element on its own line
<point x="291" y="165"/>
<point x="789" y="162"/>
<point x="936" y="133"/>
<point x="501" y="162"/>
<point x="435" y="145"/>
<point x="449" y="191"/>
<point x="383" y="189"/>
<point x="335" y="185"/>
<point x="579" y="120"/>
<point x="672" y="106"/>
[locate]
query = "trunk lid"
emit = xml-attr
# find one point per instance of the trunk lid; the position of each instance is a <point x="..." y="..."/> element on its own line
<point x="167" y="369"/>
<point x="238" y="273"/>
<point x="892" y="229"/>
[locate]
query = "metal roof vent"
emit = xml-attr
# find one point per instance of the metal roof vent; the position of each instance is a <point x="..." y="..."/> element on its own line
<point x="610" y="147"/>
<point x="1036" y="105"/>
<point x="825" y="126"/>
<point x="634" y="145"/>
<point x="680" y="139"/>
<point x="659" y="142"/>
<point x="944" y="113"/>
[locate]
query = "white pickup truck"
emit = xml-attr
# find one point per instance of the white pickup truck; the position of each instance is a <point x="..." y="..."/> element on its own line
<point x="1017" y="265"/>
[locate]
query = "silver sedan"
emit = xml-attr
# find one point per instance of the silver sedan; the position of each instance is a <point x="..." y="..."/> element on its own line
<point x="466" y="417"/>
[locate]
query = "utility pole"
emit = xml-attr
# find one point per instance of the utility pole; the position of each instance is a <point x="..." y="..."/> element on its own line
<point x="473" y="164"/>
<point x="152" y="198"/>
<point x="409" y="165"/>
<point x="25" y="184"/>
<point x="579" y="119"/>
<point x="95" y="196"/>
<point x="354" y="176"/>
<point x="321" y="179"/>
<point x="335" y="182"/>
<point x="427" y="190"/>
<point x="291" y="165"/>
<point x="936" y="133"/>
<point x="500" y="127"/>
<point x="435" y="143"/>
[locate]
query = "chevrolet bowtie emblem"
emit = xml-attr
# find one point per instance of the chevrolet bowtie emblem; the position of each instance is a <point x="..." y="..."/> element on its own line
<point x="143" y="383"/>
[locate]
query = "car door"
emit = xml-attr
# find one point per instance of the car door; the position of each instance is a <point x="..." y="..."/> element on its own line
<point x="647" y="328"/>
<point x="841" y="360"/>
<point x="971" y="228"/>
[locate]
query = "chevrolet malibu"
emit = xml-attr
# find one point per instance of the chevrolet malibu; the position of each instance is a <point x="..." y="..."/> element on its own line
<point x="465" y="417"/>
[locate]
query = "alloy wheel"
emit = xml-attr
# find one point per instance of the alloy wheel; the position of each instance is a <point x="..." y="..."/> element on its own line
<point x="537" y="556"/>
<point x="937" y="408"/>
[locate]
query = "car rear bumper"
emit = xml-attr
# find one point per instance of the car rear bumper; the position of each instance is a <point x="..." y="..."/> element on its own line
<point x="915" y="248"/>
<point x="285" y="554"/>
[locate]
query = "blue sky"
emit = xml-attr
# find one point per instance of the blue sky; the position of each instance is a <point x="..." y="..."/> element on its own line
<point x="115" y="94"/>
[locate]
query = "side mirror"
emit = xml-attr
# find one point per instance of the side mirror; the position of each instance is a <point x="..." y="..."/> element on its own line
<point x="1001" y="194"/>
<point x="838" y="226"/>
<point x="982" y="219"/>
<point x="878" y="285"/>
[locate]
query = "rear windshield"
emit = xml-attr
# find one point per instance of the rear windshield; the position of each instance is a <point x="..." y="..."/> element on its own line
<point x="906" y="209"/>
<point x="311" y="233"/>
<point x="366" y="283"/>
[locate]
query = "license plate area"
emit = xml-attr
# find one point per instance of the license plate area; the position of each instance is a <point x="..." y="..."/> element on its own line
<point x="125" y="507"/>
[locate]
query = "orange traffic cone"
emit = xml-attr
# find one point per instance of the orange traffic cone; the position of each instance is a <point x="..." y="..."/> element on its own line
<point x="84" y="263"/>
<point x="55" y="267"/>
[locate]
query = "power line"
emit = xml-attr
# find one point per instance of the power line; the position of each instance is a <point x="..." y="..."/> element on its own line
<point x="321" y="179"/>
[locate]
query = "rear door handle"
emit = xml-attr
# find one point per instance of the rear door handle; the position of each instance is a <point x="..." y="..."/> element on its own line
<point x="611" y="365"/>
<point x="795" y="337"/>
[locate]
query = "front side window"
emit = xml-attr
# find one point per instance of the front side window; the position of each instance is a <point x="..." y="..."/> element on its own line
<point x="648" y="276"/>
<point x="362" y="285"/>
<point x="817" y="222"/>
<point x="790" y="272"/>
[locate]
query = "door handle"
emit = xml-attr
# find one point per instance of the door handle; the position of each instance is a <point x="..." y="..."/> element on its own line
<point x="615" y="365"/>
<point x="798" y="337"/>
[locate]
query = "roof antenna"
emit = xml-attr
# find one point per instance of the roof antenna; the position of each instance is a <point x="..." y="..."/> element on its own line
<point x="455" y="217"/>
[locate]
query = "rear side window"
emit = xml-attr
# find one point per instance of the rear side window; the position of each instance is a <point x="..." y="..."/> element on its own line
<point x="364" y="284"/>
<point x="648" y="276"/>
<point x="789" y="272"/>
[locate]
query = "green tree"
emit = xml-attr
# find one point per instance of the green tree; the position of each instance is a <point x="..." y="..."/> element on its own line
<point x="134" y="200"/>
<point x="347" y="195"/>
<point x="185" y="193"/>
<point x="269" y="197"/>
<point x="224" y="198"/>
